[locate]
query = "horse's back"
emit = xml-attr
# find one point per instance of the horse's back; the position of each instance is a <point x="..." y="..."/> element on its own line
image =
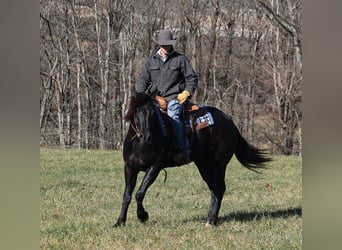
<point x="220" y="138"/>
<point x="223" y="123"/>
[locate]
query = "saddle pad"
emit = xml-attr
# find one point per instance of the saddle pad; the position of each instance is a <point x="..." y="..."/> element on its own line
<point x="203" y="121"/>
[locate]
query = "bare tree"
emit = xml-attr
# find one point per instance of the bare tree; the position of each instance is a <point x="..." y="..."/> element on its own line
<point x="284" y="50"/>
<point x="247" y="55"/>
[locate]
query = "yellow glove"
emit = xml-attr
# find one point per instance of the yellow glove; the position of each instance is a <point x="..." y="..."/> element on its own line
<point x="183" y="96"/>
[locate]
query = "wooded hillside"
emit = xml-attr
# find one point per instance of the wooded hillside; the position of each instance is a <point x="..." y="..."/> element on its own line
<point x="247" y="54"/>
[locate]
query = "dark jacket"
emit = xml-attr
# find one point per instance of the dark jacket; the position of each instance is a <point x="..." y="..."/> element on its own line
<point x="168" y="78"/>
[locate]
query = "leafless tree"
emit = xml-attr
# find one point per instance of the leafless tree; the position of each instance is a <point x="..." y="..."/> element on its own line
<point x="247" y="54"/>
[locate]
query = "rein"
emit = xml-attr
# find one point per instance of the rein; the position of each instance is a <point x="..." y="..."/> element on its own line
<point x="135" y="128"/>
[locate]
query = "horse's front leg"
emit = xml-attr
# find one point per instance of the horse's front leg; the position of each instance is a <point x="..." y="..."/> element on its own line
<point x="150" y="176"/>
<point x="130" y="182"/>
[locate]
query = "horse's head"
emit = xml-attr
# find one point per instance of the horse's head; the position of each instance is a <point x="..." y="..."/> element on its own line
<point x="142" y="115"/>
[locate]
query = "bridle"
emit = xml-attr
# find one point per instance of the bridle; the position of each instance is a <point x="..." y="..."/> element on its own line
<point x="135" y="128"/>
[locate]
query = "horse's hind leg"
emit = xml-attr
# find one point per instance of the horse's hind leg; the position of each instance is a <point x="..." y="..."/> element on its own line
<point x="150" y="176"/>
<point x="130" y="182"/>
<point x="214" y="175"/>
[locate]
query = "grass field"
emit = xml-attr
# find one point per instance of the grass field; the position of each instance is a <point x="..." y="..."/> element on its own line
<point x="81" y="192"/>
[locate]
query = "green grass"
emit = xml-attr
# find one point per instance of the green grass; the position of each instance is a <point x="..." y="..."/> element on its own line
<point x="81" y="192"/>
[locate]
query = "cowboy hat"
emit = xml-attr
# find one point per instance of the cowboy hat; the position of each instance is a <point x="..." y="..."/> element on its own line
<point x="165" y="38"/>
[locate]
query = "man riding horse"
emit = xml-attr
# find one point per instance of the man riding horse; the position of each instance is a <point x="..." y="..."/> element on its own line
<point x="170" y="75"/>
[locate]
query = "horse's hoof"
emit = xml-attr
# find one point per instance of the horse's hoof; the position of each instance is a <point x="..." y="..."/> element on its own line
<point x="119" y="224"/>
<point x="208" y="224"/>
<point x="143" y="216"/>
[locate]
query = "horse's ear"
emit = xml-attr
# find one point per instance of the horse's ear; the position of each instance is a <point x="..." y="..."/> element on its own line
<point x="128" y="115"/>
<point x="137" y="100"/>
<point x="131" y="107"/>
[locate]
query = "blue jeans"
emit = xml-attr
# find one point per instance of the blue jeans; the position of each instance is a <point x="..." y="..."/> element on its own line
<point x="174" y="110"/>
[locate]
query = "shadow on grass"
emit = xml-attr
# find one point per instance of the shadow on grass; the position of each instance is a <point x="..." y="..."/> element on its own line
<point x="258" y="215"/>
<point x="243" y="216"/>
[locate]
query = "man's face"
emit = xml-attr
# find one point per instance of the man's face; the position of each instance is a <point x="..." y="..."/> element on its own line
<point x="166" y="49"/>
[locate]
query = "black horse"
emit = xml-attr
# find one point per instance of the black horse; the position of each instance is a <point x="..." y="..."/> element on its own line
<point x="147" y="148"/>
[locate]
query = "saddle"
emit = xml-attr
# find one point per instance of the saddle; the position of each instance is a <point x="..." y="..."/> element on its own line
<point x="195" y="117"/>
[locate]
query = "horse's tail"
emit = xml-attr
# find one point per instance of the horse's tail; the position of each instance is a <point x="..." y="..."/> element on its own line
<point x="250" y="156"/>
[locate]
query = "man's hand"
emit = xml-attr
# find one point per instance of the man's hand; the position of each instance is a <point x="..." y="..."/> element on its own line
<point x="183" y="96"/>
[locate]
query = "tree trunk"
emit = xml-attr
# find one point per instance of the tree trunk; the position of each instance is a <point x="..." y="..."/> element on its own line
<point x="104" y="70"/>
<point x="60" y="114"/>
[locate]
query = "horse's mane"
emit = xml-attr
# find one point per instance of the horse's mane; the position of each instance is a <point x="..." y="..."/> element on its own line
<point x="137" y="100"/>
